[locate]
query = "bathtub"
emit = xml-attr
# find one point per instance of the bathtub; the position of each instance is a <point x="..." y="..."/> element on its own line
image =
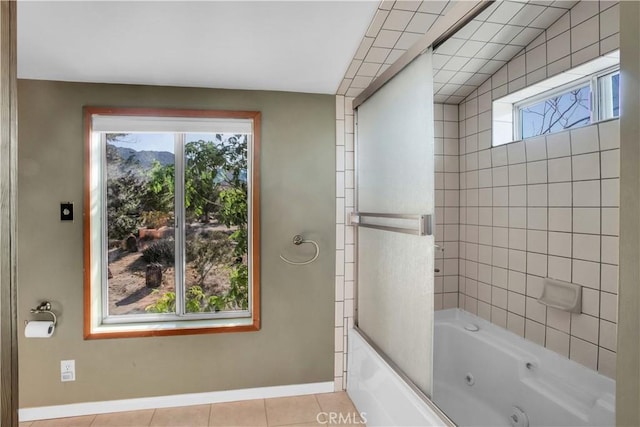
<point x="380" y="394"/>
<point x="483" y="377"/>
<point x="493" y="377"/>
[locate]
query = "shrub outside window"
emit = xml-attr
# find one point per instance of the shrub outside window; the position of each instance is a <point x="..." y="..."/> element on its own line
<point x="171" y="222"/>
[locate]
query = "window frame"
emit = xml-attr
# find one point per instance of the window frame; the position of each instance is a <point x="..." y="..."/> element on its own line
<point x="601" y="101"/>
<point x="96" y="322"/>
<point x="591" y="81"/>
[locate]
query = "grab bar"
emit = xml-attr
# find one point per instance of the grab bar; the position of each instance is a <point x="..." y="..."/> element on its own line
<point x="423" y="226"/>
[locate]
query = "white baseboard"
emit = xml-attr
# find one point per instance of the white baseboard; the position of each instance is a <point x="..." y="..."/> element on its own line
<point x="105" y="407"/>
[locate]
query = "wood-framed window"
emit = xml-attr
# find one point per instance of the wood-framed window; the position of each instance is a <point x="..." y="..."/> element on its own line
<point x="171" y="222"/>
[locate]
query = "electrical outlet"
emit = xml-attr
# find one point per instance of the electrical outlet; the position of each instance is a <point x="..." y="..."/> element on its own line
<point x="67" y="370"/>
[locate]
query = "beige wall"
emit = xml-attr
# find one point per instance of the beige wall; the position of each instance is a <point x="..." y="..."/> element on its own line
<point x="628" y="380"/>
<point x="295" y="344"/>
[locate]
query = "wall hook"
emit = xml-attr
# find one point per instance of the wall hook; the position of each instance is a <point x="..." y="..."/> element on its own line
<point x="298" y="240"/>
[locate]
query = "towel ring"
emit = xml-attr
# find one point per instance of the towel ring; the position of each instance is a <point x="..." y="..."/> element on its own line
<point x="298" y="240"/>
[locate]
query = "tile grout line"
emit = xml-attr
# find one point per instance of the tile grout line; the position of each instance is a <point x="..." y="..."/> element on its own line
<point x="266" y="413"/>
<point x="210" y="419"/>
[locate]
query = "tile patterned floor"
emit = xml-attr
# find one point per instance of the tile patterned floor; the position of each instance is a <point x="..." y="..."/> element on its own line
<point x="309" y="410"/>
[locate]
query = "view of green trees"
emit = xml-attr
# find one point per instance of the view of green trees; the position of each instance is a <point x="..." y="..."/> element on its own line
<point x="141" y="196"/>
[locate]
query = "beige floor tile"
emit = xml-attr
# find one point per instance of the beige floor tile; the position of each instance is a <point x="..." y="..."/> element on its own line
<point x="25" y="424"/>
<point x="292" y="410"/>
<point x="245" y="413"/>
<point x="65" y="422"/>
<point x="336" y="402"/>
<point x="340" y="404"/>
<point x="124" y="419"/>
<point x="187" y="416"/>
<point x="313" y="424"/>
<point x="310" y="410"/>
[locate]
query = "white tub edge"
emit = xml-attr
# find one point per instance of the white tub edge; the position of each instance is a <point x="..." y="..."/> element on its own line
<point x="380" y="394"/>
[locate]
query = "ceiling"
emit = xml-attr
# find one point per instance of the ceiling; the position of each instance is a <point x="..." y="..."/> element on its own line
<point x="465" y="60"/>
<point x="489" y="41"/>
<point x="394" y="28"/>
<point x="300" y="46"/>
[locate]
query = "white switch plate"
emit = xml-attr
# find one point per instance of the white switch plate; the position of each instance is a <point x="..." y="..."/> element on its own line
<point x="67" y="370"/>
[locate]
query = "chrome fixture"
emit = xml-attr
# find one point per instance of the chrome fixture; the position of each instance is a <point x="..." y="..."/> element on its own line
<point x="423" y="227"/>
<point x="44" y="308"/>
<point x="298" y="240"/>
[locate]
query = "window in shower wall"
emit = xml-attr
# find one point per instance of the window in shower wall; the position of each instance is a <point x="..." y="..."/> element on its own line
<point x="568" y="109"/>
<point x="581" y="96"/>
<point x="172" y="238"/>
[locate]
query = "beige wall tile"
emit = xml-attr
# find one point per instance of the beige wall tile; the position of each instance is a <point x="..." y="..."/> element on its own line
<point x="607" y="362"/>
<point x="585" y="34"/>
<point x="584" y="353"/>
<point x="535" y="332"/>
<point x="558" y="341"/>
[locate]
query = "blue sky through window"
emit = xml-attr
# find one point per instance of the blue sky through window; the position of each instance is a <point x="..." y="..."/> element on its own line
<point x="161" y="141"/>
<point x="565" y="111"/>
<point x="146" y="141"/>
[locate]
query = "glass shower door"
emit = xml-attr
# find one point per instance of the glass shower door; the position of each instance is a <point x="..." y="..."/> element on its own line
<point x="395" y="191"/>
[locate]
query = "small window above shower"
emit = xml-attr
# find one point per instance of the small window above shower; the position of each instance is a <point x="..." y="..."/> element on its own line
<point x="581" y="96"/>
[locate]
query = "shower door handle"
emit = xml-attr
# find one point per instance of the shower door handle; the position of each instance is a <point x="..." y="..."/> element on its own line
<point x="422" y="227"/>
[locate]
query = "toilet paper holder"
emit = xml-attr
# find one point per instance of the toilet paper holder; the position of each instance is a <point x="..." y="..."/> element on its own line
<point x="44" y="308"/>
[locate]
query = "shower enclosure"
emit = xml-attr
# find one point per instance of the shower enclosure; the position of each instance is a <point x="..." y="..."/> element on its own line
<point x="395" y="203"/>
<point x="487" y="362"/>
<point x="395" y="242"/>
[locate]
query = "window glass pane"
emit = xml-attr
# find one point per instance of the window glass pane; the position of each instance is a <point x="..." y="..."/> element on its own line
<point x="140" y="223"/>
<point x="565" y="111"/>
<point x="216" y="215"/>
<point x="615" y="94"/>
<point x="609" y="89"/>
